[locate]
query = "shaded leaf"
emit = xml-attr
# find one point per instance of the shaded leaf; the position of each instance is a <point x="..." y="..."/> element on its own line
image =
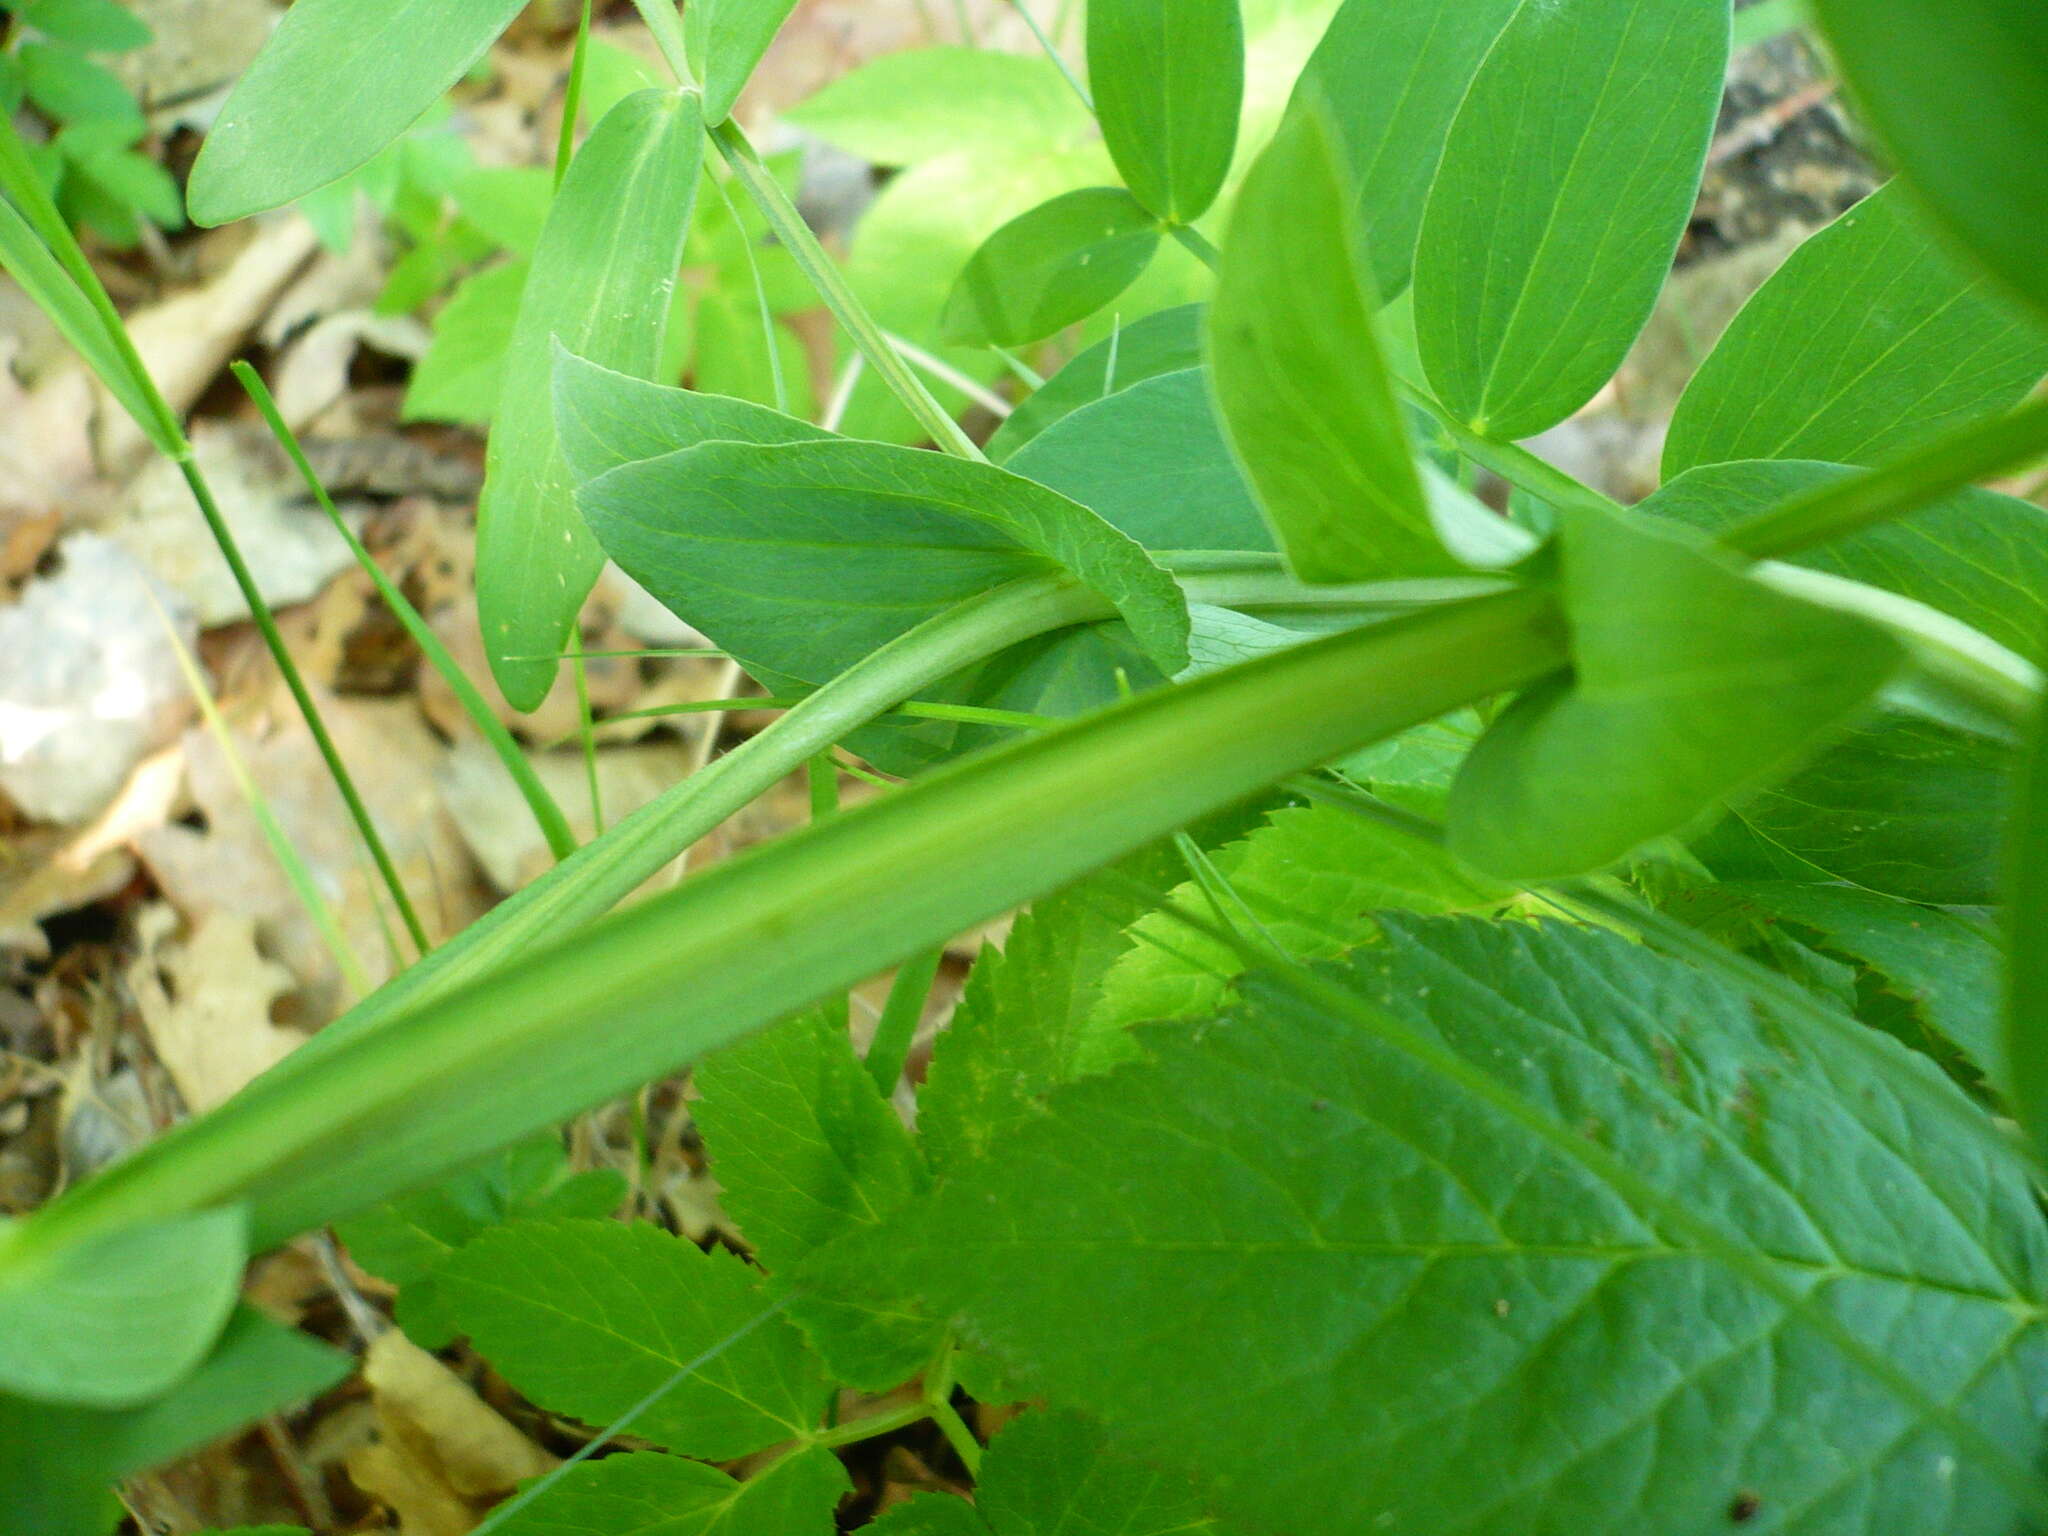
<point x="1167" y="342"/>
<point x="1049" y="1473"/>
<point x="644" y="1495"/>
<point x="1050" y="268"/>
<point x="1169" y="88"/>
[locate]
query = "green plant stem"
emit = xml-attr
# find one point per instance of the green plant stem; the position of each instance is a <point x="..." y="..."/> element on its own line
<point x="572" y="96"/>
<point x="1198" y="245"/>
<point x="839" y="297"/>
<point x="1952" y="462"/>
<point x="586" y="730"/>
<point x="754" y="938"/>
<point x="856" y="1430"/>
<point x="958" y="1435"/>
<point x="896" y="1031"/>
<point x="554" y="826"/>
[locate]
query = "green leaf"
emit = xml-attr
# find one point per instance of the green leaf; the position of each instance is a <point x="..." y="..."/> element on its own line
<point x="907" y="108"/>
<point x="98" y="26"/>
<point x="1691" y="683"/>
<point x="1391" y="78"/>
<point x="807" y="556"/>
<point x="1151" y="460"/>
<point x="1592" y="1177"/>
<point x="1049" y="1472"/>
<point x="600" y="285"/>
<point x="1167" y="342"/>
<point x="1050" y="268"/>
<point x="1307" y="884"/>
<point x="1305" y="396"/>
<point x="644" y="1495"/>
<point x="1907" y="806"/>
<point x="1960" y="96"/>
<point x="589" y="1317"/>
<point x="1978" y="556"/>
<point x="463" y="370"/>
<point x="929" y="1514"/>
<point x="508" y="203"/>
<point x="1567" y="181"/>
<point x="57" y="1465"/>
<point x="124" y="1318"/>
<point x="725" y="40"/>
<point x="1169" y="89"/>
<point x="132" y="181"/>
<point x="2026" y="1011"/>
<point x="1417" y="768"/>
<point x="1870" y="340"/>
<point x="73" y="89"/>
<point x="606" y="420"/>
<point x="731" y="353"/>
<point x="409" y="1241"/>
<point x="338" y="81"/>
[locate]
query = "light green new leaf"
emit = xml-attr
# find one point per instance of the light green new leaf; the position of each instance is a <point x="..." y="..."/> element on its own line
<point x="58" y="1465"/>
<point x="910" y="107"/>
<point x="2026" y="1010"/>
<point x="124" y="1319"/>
<point x="1167" y="342"/>
<point x="644" y="1495"/>
<point x="1976" y="555"/>
<point x="1959" y="92"/>
<point x="461" y="376"/>
<point x="600" y="285"/>
<point x="1305" y="396"/>
<point x="1051" y="268"/>
<point x="588" y="1318"/>
<point x="1566" y="183"/>
<point x="1168" y="77"/>
<point x="409" y="1240"/>
<point x="1151" y="460"/>
<point x="1871" y="339"/>
<point x="1391" y="78"/>
<point x="725" y="39"/>
<point x="337" y="82"/>
<point x="1691" y="682"/>
<point x="1592" y="1177"/>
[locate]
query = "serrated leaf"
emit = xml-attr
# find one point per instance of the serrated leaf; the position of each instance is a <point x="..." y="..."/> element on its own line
<point x="120" y="1319"/>
<point x="1691" y="683"/>
<point x="725" y="40"/>
<point x="1903" y="805"/>
<point x="1051" y="268"/>
<point x="57" y="1465"/>
<point x="600" y="286"/>
<point x="1167" y="342"/>
<point x="929" y="1514"/>
<point x="1870" y="340"/>
<point x="1976" y="555"/>
<point x="410" y="1240"/>
<point x="1960" y="96"/>
<point x="337" y="82"/>
<point x="1470" y="1147"/>
<point x="462" y="372"/>
<point x="1169" y="89"/>
<point x="1567" y="181"/>
<point x="98" y="26"/>
<point x="1305" y="397"/>
<point x="1151" y="459"/>
<point x="910" y="107"/>
<point x="643" y="1495"/>
<point x="1391" y="78"/>
<point x="1308" y="883"/>
<point x="589" y="1317"/>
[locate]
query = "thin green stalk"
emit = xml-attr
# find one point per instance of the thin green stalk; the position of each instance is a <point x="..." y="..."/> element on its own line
<point x="1514" y="464"/>
<point x="572" y="96"/>
<point x="901" y="1014"/>
<point x="554" y="826"/>
<point x="856" y="1430"/>
<point x="1952" y="462"/>
<point x="1052" y="52"/>
<point x="831" y="285"/>
<point x="667" y="29"/>
<point x="768" y="338"/>
<point x="586" y="729"/>
<point x="914" y="709"/>
<point x="958" y="1435"/>
<point x="1022" y="371"/>
<point x="1199" y="245"/>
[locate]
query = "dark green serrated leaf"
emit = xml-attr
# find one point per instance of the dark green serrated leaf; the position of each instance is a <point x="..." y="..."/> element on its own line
<point x="589" y="1317"/>
<point x="1391" y="78"/>
<point x="644" y="1495"/>
<point x="600" y="285"/>
<point x="1870" y="340"/>
<point x="1169" y="87"/>
<point x="1566" y="184"/>
<point x="1470" y="1145"/>
<point x="1049" y="1473"/>
<point x="929" y="1514"/>
<point x="1151" y="460"/>
<point x="1167" y="342"/>
<point x="98" y="26"/>
<point x="1304" y="394"/>
<point x="725" y="40"/>
<point x="1959" y="92"/>
<point x="2026" y="1010"/>
<point x="1691" y="682"/>
<point x="1977" y="555"/>
<point x="337" y="82"/>
<point x="1051" y="268"/>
